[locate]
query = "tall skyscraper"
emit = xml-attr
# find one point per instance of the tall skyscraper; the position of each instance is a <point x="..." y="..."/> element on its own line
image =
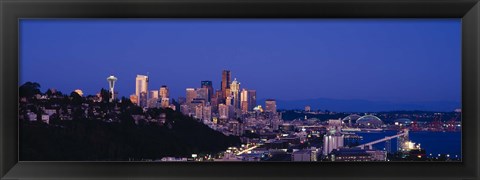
<point x="229" y="100"/>
<point x="191" y="94"/>
<point x="141" y="86"/>
<point x="235" y="91"/>
<point x="153" y="99"/>
<point x="164" y="96"/>
<point x="216" y="100"/>
<point x="227" y="93"/>
<point x="225" y="83"/>
<point x="219" y="95"/>
<point x="111" y="83"/>
<point x="153" y="94"/>
<point x="202" y="93"/>
<point x="143" y="99"/>
<point x="271" y="105"/>
<point x="252" y="99"/>
<point x="164" y="92"/>
<point x="209" y="86"/>
<point x="244" y="101"/>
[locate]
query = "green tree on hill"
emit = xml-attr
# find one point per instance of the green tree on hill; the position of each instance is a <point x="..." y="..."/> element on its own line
<point x="29" y="89"/>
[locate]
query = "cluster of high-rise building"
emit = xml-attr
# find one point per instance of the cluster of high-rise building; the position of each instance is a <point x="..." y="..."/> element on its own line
<point x="150" y="99"/>
<point x="229" y="109"/>
<point x="230" y="101"/>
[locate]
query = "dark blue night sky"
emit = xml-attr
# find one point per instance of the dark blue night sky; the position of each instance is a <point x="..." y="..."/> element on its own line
<point x="415" y="60"/>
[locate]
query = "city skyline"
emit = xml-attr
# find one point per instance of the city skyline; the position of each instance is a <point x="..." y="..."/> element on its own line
<point x="409" y="81"/>
<point x="320" y="90"/>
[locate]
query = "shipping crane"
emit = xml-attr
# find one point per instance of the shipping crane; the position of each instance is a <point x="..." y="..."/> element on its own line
<point x="451" y="125"/>
<point x="436" y="124"/>
<point x="414" y="126"/>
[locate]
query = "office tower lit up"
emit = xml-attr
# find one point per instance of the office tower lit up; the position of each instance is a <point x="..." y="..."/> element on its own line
<point x="141" y="88"/>
<point x="209" y="86"/>
<point x="191" y="94"/>
<point x="225" y="83"/>
<point x="271" y="105"/>
<point x="202" y="93"/>
<point x="229" y="100"/>
<point x="244" y="101"/>
<point x="235" y="92"/>
<point x="111" y="83"/>
<point x="216" y="100"/>
<point x="164" y="92"/>
<point x="153" y="94"/>
<point x="143" y="99"/>
<point x="153" y="99"/>
<point x="252" y="99"/>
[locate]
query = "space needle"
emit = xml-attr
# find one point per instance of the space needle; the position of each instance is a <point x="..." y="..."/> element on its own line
<point x="111" y="82"/>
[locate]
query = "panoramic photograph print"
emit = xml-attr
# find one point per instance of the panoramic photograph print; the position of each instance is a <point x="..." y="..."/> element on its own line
<point x="240" y="90"/>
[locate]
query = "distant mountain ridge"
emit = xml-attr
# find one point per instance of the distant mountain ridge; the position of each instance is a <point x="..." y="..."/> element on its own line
<point x="354" y="105"/>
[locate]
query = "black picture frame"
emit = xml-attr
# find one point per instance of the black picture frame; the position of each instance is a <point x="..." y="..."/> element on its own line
<point x="12" y="10"/>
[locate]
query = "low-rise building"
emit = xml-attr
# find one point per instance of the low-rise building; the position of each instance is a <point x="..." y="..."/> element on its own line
<point x="305" y="155"/>
<point x="350" y="155"/>
<point x="378" y="155"/>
